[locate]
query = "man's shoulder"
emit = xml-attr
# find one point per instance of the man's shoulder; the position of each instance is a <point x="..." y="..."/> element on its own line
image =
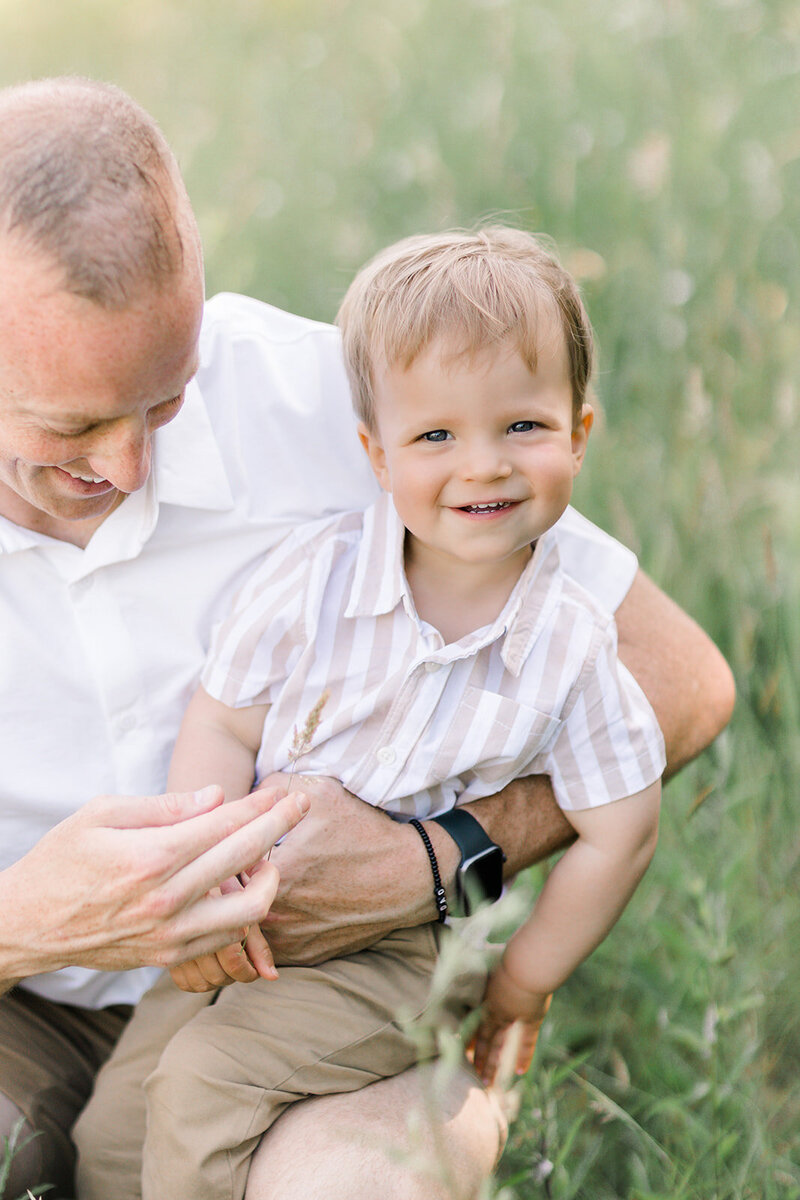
<point x="232" y="316"/>
<point x="593" y="559"/>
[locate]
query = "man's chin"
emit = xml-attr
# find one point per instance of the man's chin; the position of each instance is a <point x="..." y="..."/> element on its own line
<point x="83" y="508"/>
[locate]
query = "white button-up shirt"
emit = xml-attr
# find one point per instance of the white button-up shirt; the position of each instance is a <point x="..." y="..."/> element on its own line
<point x="413" y="724"/>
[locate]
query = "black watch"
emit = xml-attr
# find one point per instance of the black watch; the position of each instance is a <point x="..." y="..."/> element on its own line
<point x="480" y="873"/>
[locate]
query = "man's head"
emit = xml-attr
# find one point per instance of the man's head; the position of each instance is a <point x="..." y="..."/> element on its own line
<point x="100" y="300"/>
<point x="470" y="291"/>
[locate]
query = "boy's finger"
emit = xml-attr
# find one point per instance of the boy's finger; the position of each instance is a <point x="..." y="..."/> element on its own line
<point x="235" y="965"/>
<point x="260" y="954"/>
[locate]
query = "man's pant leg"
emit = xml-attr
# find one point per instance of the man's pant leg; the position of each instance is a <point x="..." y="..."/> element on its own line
<point x="49" y="1056"/>
<point x="110" y="1131"/>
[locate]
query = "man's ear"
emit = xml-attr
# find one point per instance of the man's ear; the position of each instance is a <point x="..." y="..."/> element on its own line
<point x="376" y="455"/>
<point x="580" y="436"/>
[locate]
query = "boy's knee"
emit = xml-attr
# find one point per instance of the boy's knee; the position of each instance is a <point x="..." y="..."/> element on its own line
<point x="191" y="1080"/>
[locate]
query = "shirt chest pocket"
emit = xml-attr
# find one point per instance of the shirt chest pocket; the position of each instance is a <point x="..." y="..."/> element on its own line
<point x="492" y="736"/>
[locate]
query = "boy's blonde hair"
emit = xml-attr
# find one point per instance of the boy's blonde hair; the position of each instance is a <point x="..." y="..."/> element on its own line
<point x="476" y="289"/>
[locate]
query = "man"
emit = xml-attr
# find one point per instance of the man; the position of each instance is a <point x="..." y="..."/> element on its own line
<point x="122" y="538"/>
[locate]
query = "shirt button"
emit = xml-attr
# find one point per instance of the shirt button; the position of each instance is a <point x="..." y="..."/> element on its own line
<point x="430" y="667"/>
<point x="386" y="756"/>
<point x="126" y="723"/>
<point x="82" y="586"/>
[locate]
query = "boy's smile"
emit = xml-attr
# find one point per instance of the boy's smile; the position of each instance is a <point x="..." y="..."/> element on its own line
<point x="478" y="451"/>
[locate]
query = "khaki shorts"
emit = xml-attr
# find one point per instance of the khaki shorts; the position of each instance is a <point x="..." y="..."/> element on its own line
<point x="49" y="1056"/>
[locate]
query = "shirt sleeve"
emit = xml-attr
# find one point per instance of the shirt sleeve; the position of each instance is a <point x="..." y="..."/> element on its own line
<point x="255" y="647"/>
<point x="609" y="744"/>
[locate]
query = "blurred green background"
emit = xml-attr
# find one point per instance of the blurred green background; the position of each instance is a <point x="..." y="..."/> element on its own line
<point x="659" y="144"/>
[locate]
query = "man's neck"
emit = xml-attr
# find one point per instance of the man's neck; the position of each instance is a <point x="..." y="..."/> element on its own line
<point x="459" y="597"/>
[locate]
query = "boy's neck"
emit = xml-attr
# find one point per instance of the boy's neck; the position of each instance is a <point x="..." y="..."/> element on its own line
<point x="459" y="597"/>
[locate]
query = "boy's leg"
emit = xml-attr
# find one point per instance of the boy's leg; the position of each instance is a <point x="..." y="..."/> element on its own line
<point x="109" y="1133"/>
<point x="228" y="1075"/>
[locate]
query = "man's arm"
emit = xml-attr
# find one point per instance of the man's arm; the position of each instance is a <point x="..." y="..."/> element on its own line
<point x="122" y="882"/>
<point x="349" y="874"/>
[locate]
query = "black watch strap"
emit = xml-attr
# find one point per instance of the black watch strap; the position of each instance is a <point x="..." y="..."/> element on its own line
<point x="474" y="842"/>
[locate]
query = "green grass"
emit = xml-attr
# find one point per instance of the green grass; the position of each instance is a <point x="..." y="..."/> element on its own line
<point x="658" y="144"/>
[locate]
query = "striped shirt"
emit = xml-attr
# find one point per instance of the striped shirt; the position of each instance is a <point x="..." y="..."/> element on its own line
<point x="412" y="724"/>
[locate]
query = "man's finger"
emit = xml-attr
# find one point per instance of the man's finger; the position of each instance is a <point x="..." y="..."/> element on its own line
<point x="230" y="839"/>
<point x="215" y="921"/>
<point x="146" y="812"/>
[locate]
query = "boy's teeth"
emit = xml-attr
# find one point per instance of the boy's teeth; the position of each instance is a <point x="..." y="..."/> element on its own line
<point x="487" y="507"/>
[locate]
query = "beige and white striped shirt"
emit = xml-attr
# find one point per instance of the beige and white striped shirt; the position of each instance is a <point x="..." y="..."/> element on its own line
<point x="414" y="725"/>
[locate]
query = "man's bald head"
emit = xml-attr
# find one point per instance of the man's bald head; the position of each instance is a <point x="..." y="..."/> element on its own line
<point x="88" y="180"/>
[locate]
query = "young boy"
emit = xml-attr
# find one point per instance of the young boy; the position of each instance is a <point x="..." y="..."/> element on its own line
<point x="455" y="654"/>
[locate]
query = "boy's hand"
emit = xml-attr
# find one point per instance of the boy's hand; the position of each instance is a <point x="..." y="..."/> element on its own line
<point x="506" y="1005"/>
<point x="241" y="962"/>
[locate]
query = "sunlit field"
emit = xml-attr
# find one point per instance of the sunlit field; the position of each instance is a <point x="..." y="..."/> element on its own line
<point x="658" y="143"/>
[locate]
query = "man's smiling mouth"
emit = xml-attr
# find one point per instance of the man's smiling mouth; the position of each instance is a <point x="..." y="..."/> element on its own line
<point x="86" y="476"/>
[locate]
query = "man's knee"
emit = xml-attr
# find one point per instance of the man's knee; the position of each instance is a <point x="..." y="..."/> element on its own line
<point x="38" y="1155"/>
<point x="423" y="1135"/>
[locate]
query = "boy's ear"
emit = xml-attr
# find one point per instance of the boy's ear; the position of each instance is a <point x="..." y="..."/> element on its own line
<point x="375" y="454"/>
<point x="580" y="436"/>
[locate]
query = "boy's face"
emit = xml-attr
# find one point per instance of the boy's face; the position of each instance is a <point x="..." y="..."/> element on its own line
<point x="478" y="453"/>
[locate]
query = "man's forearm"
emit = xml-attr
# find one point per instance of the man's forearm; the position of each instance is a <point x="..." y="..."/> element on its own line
<point x="523" y="819"/>
<point x="679" y="669"/>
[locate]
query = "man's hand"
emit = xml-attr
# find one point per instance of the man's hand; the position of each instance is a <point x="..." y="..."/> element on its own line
<point x="124" y="881"/>
<point x="349" y="875"/>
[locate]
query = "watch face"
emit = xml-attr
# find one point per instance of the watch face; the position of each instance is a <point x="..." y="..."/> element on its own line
<point x="481" y="877"/>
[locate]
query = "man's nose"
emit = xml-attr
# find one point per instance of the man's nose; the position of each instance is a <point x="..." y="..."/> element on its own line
<point x="123" y="457"/>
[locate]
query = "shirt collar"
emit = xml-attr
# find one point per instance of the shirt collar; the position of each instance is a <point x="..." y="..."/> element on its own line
<point x="187" y="471"/>
<point x="379" y="581"/>
<point x="188" y="465"/>
<point x="379" y="585"/>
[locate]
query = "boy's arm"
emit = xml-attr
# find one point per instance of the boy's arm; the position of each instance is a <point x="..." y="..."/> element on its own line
<point x="328" y="904"/>
<point x="586" y="891"/>
<point x="581" y="900"/>
<point x="218" y="744"/>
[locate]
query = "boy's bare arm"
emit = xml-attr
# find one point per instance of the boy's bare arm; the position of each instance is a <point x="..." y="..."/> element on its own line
<point x="216" y="744"/>
<point x="581" y="900"/>
<point x="349" y="874"/>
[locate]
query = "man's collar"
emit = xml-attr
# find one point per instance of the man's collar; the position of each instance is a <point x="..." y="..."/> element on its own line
<point x="188" y="466"/>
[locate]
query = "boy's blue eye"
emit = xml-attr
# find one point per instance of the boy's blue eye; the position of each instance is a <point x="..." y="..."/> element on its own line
<point x="435" y="435"/>
<point x="522" y="426"/>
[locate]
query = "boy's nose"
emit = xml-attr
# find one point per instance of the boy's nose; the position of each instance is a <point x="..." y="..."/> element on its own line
<point x="483" y="463"/>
